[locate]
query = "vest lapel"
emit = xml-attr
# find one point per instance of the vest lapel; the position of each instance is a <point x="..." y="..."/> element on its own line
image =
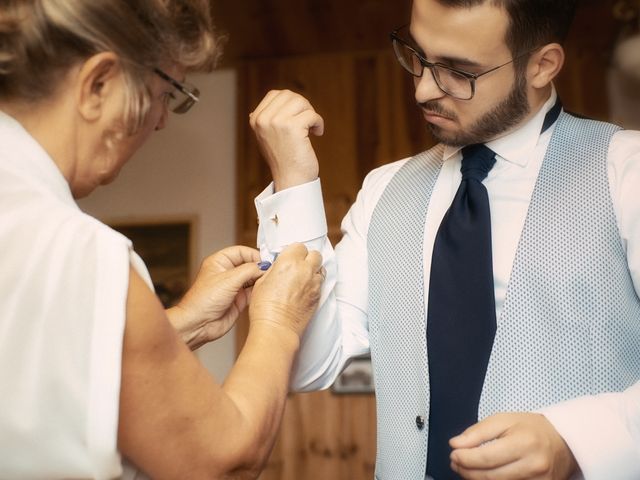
<point x="397" y="318"/>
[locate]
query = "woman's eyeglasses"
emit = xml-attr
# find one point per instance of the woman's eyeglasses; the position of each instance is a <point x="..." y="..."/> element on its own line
<point x="184" y="96"/>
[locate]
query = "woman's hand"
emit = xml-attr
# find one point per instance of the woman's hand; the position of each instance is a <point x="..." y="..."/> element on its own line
<point x="219" y="294"/>
<point x="287" y="296"/>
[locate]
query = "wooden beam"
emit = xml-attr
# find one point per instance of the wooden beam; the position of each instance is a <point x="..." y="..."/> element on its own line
<point x="280" y="28"/>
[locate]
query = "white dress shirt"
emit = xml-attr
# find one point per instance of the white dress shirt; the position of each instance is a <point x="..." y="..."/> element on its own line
<point x="63" y="291"/>
<point x="602" y="431"/>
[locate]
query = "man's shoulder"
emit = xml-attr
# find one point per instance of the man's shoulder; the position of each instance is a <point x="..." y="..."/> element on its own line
<point x="590" y="121"/>
<point x="585" y="130"/>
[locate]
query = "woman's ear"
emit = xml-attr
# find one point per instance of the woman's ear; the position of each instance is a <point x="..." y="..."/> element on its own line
<point x="99" y="83"/>
<point x="545" y="64"/>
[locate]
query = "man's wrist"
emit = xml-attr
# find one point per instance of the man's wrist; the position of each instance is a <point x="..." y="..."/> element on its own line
<point x="282" y="182"/>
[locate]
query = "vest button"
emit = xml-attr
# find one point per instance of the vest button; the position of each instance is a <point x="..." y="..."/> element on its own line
<point x="420" y="422"/>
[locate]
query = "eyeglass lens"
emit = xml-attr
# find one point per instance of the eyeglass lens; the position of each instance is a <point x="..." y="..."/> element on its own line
<point x="180" y="102"/>
<point x="449" y="81"/>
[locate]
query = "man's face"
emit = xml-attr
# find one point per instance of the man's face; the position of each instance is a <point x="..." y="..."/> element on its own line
<point x="472" y="40"/>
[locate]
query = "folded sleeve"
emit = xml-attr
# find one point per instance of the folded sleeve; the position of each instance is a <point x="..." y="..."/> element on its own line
<point x="289" y="216"/>
<point x="339" y="329"/>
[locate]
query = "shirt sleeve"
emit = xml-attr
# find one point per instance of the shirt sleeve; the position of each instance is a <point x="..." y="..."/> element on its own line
<point x="289" y="216"/>
<point x="338" y="330"/>
<point x="624" y="179"/>
<point x="63" y="323"/>
<point x="603" y="431"/>
<point x="105" y="365"/>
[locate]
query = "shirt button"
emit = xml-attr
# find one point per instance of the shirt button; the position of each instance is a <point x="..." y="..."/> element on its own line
<point x="420" y="422"/>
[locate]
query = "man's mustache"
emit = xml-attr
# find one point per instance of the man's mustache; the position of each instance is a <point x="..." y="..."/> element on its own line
<point x="435" y="108"/>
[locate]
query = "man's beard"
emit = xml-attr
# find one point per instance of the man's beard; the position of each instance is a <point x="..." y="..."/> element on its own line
<point x="501" y="118"/>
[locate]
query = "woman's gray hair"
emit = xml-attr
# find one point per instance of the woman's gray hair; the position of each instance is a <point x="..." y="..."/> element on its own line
<point x="41" y="39"/>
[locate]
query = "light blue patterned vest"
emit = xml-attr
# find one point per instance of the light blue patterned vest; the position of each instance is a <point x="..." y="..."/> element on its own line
<point x="570" y="325"/>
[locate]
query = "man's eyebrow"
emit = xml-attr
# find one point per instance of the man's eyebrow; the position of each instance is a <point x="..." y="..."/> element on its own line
<point x="460" y="62"/>
<point x="457" y="61"/>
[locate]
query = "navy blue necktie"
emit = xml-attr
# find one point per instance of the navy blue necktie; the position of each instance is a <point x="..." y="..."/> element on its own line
<point x="461" y="318"/>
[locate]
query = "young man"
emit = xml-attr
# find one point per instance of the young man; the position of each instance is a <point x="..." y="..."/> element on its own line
<point x="509" y="286"/>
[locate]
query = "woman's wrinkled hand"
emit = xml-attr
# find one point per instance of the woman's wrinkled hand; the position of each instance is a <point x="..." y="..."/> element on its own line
<point x="219" y="294"/>
<point x="287" y="296"/>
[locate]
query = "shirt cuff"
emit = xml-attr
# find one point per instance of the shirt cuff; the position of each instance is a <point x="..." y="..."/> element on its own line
<point x="292" y="215"/>
<point x="597" y="429"/>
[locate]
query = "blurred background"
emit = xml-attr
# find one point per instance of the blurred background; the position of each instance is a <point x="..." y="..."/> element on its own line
<point x="191" y="189"/>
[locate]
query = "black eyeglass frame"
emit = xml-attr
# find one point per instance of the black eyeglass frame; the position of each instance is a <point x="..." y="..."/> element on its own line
<point x="472" y="77"/>
<point x="192" y="93"/>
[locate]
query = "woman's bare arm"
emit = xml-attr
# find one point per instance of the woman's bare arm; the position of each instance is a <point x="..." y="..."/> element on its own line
<point x="175" y="420"/>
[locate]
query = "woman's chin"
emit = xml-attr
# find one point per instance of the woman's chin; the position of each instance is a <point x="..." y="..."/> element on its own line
<point x="82" y="191"/>
<point x="109" y="178"/>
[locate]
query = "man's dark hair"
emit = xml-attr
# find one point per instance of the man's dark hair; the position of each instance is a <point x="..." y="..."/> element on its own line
<point x="533" y="23"/>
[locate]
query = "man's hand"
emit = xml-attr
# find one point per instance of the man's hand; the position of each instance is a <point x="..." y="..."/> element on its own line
<point x="520" y="445"/>
<point x="219" y="294"/>
<point x="282" y="123"/>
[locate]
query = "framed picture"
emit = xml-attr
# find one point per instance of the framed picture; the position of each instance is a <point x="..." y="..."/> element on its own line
<point x="357" y="377"/>
<point x="165" y="248"/>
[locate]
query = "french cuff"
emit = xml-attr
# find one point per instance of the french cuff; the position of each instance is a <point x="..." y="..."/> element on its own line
<point x="596" y="432"/>
<point x="292" y="215"/>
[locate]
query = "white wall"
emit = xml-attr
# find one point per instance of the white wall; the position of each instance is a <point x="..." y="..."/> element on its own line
<point x="186" y="171"/>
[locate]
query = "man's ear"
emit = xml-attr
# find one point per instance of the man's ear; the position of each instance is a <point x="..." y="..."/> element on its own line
<point x="545" y="64"/>
<point x="98" y="82"/>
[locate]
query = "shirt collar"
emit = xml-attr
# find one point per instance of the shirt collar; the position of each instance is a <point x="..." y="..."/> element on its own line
<point x="514" y="146"/>
<point x="25" y="154"/>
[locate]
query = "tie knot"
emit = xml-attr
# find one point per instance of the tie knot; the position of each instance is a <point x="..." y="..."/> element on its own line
<point x="477" y="160"/>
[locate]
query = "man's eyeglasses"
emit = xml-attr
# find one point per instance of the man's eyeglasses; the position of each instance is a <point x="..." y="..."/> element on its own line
<point x="455" y="83"/>
<point x="184" y="96"/>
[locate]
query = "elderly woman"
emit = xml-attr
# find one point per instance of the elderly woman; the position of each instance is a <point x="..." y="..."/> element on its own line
<point x="92" y="368"/>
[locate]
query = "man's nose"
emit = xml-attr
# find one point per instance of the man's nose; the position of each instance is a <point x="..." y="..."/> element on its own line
<point x="426" y="87"/>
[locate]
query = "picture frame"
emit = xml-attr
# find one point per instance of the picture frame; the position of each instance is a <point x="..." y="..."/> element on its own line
<point x="166" y="248"/>
<point x="357" y="377"/>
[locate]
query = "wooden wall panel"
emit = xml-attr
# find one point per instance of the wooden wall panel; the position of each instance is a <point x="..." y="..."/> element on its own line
<point x="582" y="84"/>
<point x="325" y="436"/>
<point x="279" y="28"/>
